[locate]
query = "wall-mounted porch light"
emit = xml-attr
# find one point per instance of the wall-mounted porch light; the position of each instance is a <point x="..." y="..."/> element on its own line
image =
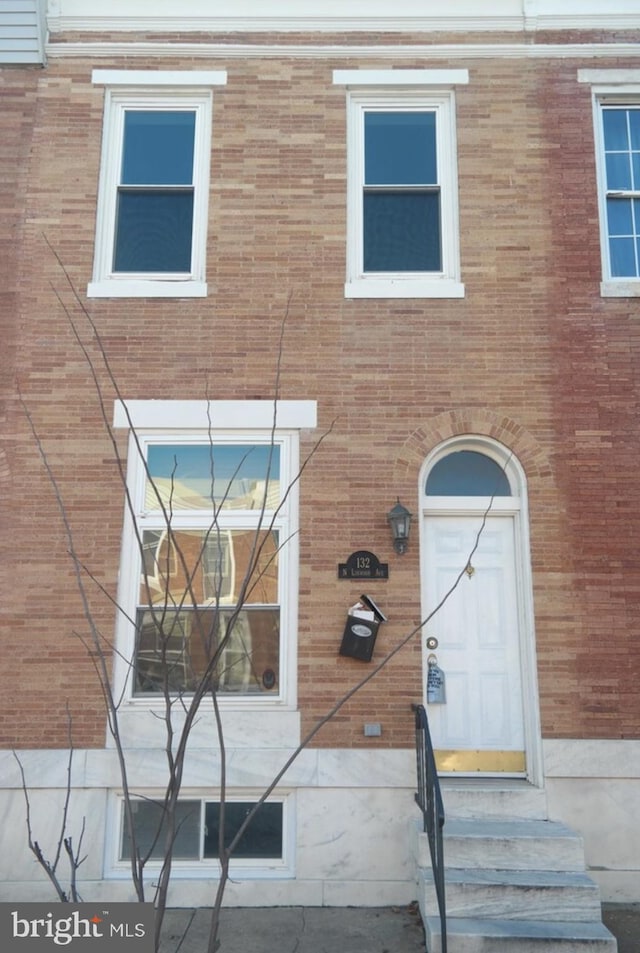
<point x="400" y="519"/>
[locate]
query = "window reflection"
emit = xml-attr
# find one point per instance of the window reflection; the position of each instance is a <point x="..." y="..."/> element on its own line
<point x="199" y="611"/>
<point x="240" y="648"/>
<point x="190" y="476"/>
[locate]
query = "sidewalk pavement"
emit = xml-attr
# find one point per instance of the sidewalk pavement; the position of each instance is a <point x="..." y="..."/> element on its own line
<point x="336" y="929"/>
<point x="623" y="920"/>
<point x="298" y="930"/>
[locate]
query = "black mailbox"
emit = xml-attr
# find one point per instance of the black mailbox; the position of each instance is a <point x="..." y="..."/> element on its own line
<point x="361" y="629"/>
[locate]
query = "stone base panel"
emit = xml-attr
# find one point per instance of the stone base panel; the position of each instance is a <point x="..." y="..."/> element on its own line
<point x="350" y="820"/>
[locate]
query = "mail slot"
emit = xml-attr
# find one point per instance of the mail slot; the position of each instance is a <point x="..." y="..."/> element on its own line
<point x="361" y="629"/>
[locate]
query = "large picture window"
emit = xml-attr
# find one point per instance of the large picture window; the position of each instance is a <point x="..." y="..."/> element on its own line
<point x="208" y="583"/>
<point x="211" y="531"/>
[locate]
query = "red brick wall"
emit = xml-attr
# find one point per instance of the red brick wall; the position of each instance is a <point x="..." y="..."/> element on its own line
<point x="532" y="356"/>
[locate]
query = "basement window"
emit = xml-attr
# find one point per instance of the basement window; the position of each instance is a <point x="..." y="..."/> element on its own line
<point x="263" y="844"/>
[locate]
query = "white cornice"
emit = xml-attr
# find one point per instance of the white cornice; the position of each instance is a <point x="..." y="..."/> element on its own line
<point x="262" y="24"/>
<point x="339" y="16"/>
<point x="114" y="50"/>
<point x="345" y="24"/>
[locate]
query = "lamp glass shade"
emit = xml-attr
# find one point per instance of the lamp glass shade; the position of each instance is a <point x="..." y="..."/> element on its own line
<point x="400" y="519"/>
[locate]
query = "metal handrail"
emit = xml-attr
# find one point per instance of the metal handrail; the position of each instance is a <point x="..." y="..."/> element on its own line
<point x="429" y="800"/>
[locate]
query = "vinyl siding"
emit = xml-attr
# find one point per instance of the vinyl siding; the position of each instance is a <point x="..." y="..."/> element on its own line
<point x="22" y="31"/>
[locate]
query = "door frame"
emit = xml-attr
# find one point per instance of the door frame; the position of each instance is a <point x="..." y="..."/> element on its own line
<point x="516" y="507"/>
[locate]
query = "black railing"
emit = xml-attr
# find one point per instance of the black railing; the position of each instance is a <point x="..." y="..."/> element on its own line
<point x="429" y="800"/>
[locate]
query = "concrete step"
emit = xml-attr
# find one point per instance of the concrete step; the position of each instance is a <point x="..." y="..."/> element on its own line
<point x="515" y="894"/>
<point x="468" y="935"/>
<point x="508" y="845"/>
<point x="493" y="799"/>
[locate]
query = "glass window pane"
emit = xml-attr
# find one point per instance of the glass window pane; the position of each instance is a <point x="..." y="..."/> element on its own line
<point x="623" y="260"/>
<point x="174" y="648"/>
<point x="635" y="171"/>
<point x="614" y="123"/>
<point x="163" y="652"/>
<point x="400" y="148"/>
<point x="262" y="839"/>
<point x="153" y="231"/>
<point x="467" y="473"/>
<point x="402" y="231"/>
<point x="158" y="147"/>
<point x="150" y="831"/>
<point x="619" y="217"/>
<point x="634" y="127"/>
<point x="618" y="170"/>
<point x="188" y="476"/>
<point x="203" y="566"/>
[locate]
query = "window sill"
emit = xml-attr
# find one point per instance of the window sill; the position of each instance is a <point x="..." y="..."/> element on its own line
<point x="140" y="288"/>
<point x="210" y="870"/>
<point x="404" y="288"/>
<point x="231" y="701"/>
<point x="620" y="288"/>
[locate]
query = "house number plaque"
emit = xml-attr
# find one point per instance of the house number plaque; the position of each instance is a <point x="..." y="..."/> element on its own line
<point x="363" y="565"/>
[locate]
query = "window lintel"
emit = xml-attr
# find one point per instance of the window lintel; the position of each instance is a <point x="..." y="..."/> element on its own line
<point x="400" y="77"/>
<point x="190" y="415"/>
<point x="610" y="77"/>
<point x="141" y="77"/>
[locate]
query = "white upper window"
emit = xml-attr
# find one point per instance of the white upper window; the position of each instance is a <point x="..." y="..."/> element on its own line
<point x="402" y="202"/>
<point x="620" y="159"/>
<point x="151" y="226"/>
<point x="616" y="101"/>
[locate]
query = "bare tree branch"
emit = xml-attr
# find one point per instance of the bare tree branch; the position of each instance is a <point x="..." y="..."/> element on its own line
<point x="65" y="841"/>
<point x="164" y="601"/>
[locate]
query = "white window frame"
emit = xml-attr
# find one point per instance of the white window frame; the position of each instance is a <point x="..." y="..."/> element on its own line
<point x="241" y="868"/>
<point x="153" y="422"/>
<point x="399" y="90"/>
<point x="163" y="91"/>
<point x="610" y="87"/>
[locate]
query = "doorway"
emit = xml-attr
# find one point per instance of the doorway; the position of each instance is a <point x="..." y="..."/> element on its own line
<point x="476" y="582"/>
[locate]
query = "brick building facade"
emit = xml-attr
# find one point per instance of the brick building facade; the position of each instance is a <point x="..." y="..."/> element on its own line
<point x="519" y="344"/>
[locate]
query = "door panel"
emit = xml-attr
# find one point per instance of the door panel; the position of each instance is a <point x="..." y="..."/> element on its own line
<point x="478" y="636"/>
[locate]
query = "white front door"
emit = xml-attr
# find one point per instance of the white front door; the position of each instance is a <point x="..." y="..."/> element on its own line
<point x="480" y="726"/>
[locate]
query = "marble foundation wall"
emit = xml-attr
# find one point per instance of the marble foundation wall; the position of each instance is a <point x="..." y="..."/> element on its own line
<point x="351" y="817"/>
<point x="594" y="786"/>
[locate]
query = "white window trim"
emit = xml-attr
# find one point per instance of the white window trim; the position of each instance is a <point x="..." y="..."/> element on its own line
<point x="398" y="89"/>
<point x="610" y="87"/>
<point x="241" y="868"/>
<point x="160" y="90"/>
<point x="190" y="421"/>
